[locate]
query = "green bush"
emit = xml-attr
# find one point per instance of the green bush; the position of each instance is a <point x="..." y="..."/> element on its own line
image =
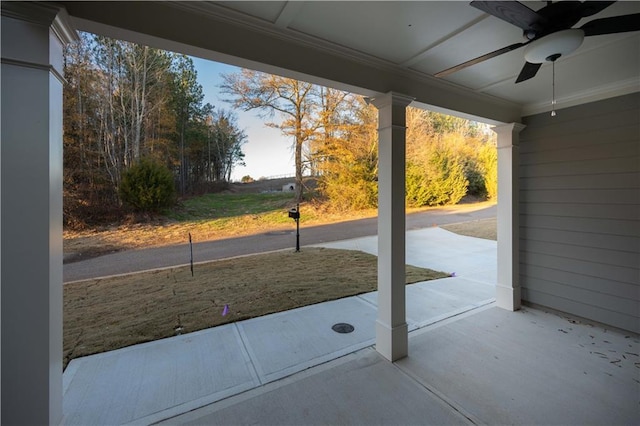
<point x="488" y="156"/>
<point x="355" y="188"/>
<point x="474" y="174"/>
<point x="440" y="181"/>
<point x="352" y="196"/>
<point x="148" y="186"/>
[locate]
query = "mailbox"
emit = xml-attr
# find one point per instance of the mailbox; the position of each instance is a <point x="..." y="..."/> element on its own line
<point x="294" y="214"/>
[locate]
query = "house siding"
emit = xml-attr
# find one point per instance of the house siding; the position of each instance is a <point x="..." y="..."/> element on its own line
<point x="580" y="211"/>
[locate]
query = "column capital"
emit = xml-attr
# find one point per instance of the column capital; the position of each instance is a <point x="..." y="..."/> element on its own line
<point x="63" y="29"/>
<point x="392" y="110"/>
<point x="391" y="98"/>
<point x="513" y="128"/>
<point x="45" y="14"/>
<point x="508" y="134"/>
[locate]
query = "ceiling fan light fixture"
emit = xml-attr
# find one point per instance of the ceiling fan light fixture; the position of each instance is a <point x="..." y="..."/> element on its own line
<point x="553" y="45"/>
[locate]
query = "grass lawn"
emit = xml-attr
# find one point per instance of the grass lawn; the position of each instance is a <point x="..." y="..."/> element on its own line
<point x="111" y="313"/>
<point x="207" y="217"/>
<point x="215" y="206"/>
<point x="106" y="314"/>
<point x="484" y="228"/>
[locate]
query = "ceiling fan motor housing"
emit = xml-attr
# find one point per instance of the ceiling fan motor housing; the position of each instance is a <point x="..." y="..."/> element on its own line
<point x="554" y="45"/>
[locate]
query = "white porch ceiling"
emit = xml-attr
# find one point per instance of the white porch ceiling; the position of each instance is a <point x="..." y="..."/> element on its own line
<point x="431" y="36"/>
<point x="412" y="40"/>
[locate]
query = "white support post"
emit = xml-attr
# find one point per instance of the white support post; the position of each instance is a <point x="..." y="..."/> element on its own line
<point x="391" y="326"/>
<point x="508" y="285"/>
<point x="33" y="35"/>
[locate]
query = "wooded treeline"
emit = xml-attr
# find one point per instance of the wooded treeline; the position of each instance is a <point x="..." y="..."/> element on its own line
<point x="135" y="120"/>
<point x="124" y="103"/>
<point x="334" y="137"/>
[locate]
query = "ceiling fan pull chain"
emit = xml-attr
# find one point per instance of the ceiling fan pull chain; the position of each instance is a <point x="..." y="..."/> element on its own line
<point x="553" y="88"/>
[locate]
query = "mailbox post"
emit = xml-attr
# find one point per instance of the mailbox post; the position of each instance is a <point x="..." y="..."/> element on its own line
<point x="295" y="215"/>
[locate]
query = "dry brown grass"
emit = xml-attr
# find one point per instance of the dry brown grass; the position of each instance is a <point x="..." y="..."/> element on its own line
<point x="110" y="313"/>
<point x="485" y="228"/>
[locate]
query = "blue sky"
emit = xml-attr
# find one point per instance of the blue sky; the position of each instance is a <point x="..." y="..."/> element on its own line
<point x="267" y="151"/>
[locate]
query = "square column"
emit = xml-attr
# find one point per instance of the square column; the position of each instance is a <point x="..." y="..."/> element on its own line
<point x="508" y="285"/>
<point x="391" y="326"/>
<point x="33" y="35"/>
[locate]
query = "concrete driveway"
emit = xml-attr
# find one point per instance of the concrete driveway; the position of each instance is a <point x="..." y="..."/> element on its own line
<point x="160" y="257"/>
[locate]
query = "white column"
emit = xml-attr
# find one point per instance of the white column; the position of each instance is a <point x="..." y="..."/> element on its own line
<point x="391" y="326"/>
<point x="31" y="224"/>
<point x="508" y="285"/>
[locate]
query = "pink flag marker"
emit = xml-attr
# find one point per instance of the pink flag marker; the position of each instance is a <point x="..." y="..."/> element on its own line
<point x="225" y="311"/>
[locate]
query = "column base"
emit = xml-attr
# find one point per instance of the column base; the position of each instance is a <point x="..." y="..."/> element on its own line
<point x="392" y="343"/>
<point x="508" y="297"/>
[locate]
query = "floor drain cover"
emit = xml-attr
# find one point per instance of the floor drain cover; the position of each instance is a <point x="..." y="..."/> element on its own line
<point x="342" y="327"/>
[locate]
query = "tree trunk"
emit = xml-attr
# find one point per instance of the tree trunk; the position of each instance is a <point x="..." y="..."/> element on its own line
<point x="298" y="160"/>
<point x="182" y="165"/>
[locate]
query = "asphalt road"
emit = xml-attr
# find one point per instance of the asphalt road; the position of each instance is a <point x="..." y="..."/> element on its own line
<point x="160" y="257"/>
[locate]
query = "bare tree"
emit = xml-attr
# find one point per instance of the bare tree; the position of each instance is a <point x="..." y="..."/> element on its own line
<point x="227" y="141"/>
<point x="335" y="114"/>
<point x="294" y="100"/>
<point x="131" y="92"/>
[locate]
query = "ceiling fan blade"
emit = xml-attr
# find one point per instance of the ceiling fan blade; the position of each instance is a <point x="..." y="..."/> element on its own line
<point x="529" y="70"/>
<point x="479" y="59"/>
<point x="590" y="8"/>
<point x="512" y="12"/>
<point x="613" y="25"/>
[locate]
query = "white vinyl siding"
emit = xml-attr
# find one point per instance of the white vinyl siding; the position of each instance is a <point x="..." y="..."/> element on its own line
<point x="580" y="211"/>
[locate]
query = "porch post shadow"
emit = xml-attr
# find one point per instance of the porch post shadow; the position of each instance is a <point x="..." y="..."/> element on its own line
<point x="391" y="326"/>
<point x="508" y="282"/>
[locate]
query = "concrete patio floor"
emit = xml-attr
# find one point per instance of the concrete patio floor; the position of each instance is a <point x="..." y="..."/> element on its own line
<point x="488" y="366"/>
<point x="469" y="361"/>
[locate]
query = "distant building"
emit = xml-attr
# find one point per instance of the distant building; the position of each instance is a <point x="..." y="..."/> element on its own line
<point x="289" y="187"/>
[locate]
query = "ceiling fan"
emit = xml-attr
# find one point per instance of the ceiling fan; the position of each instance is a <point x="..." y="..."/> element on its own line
<point x="548" y="31"/>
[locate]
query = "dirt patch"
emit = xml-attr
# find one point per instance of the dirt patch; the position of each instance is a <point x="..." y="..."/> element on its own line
<point x="111" y="313"/>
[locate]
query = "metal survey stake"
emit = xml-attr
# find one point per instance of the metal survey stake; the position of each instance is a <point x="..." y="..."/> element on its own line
<point x="190" y="253"/>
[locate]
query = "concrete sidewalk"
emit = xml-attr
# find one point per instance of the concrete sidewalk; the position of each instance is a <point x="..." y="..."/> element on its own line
<point x="150" y="382"/>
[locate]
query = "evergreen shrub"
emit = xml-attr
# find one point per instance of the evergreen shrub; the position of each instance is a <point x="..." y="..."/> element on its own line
<point x="148" y="186"/>
<point x="441" y="180"/>
<point x="488" y="157"/>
